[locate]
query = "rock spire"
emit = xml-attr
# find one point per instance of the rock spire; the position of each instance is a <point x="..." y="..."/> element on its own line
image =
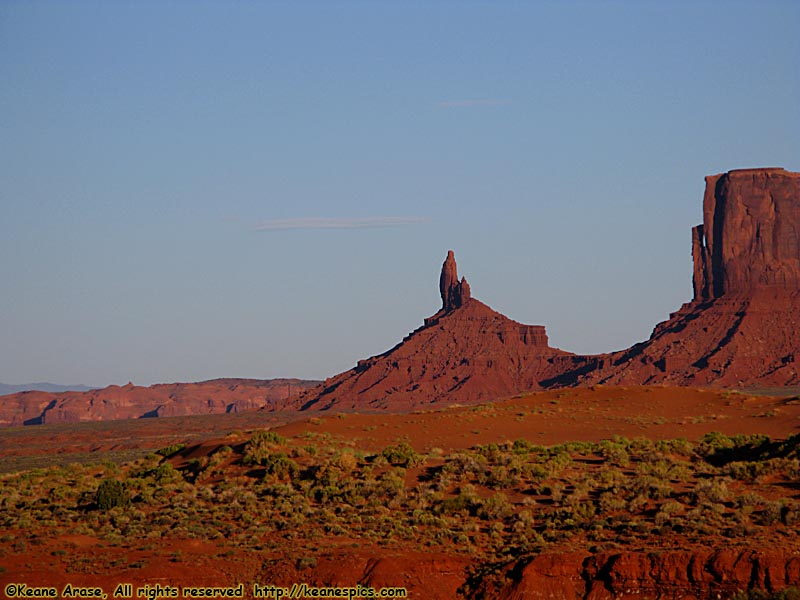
<point x="454" y="293"/>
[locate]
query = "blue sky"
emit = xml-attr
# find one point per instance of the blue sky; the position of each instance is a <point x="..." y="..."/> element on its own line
<point x="268" y="189"/>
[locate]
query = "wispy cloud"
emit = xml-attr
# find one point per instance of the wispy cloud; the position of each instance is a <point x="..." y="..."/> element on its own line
<point x="471" y="103"/>
<point x="337" y="223"/>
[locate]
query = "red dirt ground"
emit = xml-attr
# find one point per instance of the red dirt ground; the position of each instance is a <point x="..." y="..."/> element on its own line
<point x="588" y="414"/>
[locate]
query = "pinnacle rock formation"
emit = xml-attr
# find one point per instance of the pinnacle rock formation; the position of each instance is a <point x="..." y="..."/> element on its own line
<point x="454" y="293"/>
<point x="464" y="353"/>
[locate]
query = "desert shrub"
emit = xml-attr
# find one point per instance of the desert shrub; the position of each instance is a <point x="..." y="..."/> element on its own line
<point x="345" y="461"/>
<point x="579" y="493"/>
<point x="162" y="474"/>
<point x="219" y="456"/>
<point x="611" y="502"/>
<point x="501" y="476"/>
<point x="260" y="446"/>
<point x="522" y="446"/>
<point x="790" y="448"/>
<point x="667" y="511"/>
<point x="492" y="452"/>
<point x="170" y="450"/>
<point x="713" y="442"/>
<point x="391" y="483"/>
<point x="665" y="470"/>
<point x="268" y="437"/>
<point x="750" y="499"/>
<point x="583" y="512"/>
<point x="111" y="493"/>
<point x="711" y="490"/>
<point x="495" y="507"/>
<point x="554" y="490"/>
<point x="747" y="471"/>
<point x="465" y="500"/>
<point x="583" y="448"/>
<point x="772" y="513"/>
<point x="402" y="455"/>
<point x="677" y="446"/>
<point x="719" y="449"/>
<point x="614" y="452"/>
<point x="649" y="486"/>
<point x="463" y="464"/>
<point x="560" y="461"/>
<point x="280" y="466"/>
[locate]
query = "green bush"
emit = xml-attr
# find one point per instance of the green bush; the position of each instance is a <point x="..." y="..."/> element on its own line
<point x="170" y="450"/>
<point x="260" y="446"/>
<point x="110" y="494"/>
<point x="402" y="455"/>
<point x="281" y="466"/>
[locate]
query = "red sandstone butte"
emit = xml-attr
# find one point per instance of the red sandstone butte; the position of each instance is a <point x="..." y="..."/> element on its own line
<point x="750" y="236"/>
<point x="742" y="328"/>
<point x="466" y="352"/>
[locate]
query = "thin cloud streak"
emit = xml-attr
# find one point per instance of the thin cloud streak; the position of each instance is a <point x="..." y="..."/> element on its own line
<point x="470" y="103"/>
<point x="337" y="223"/>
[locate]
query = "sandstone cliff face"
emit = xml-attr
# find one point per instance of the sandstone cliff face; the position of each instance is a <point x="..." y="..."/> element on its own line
<point x="750" y="236"/>
<point x="699" y="573"/>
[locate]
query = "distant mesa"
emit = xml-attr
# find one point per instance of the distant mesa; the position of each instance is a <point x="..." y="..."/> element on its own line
<point x="137" y="402"/>
<point x="6" y="388"/>
<point x="741" y="328"/>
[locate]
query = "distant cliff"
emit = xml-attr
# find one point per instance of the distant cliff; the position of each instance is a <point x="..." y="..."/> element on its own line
<point x="136" y="402"/>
